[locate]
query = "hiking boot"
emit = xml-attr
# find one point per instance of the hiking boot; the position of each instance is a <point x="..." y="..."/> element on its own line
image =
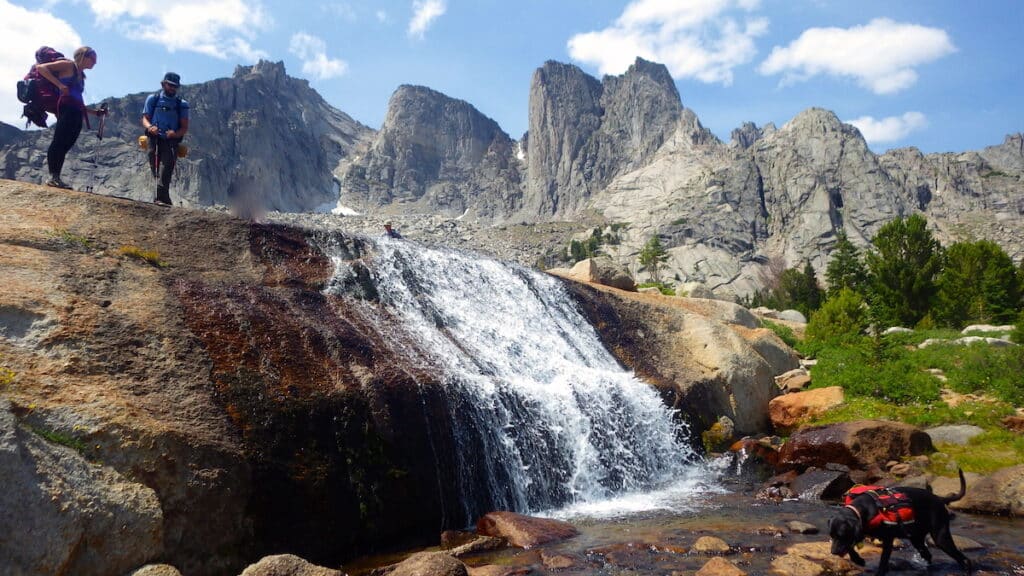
<point x="159" y="202"/>
<point x="58" y="183"/>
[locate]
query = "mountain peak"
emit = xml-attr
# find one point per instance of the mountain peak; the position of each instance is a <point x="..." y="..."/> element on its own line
<point x="263" y="68"/>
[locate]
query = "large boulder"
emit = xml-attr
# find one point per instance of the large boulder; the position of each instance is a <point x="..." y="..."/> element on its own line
<point x="707" y="357"/>
<point x="857" y="444"/>
<point x="601" y="270"/>
<point x="524" y="531"/>
<point x="1001" y="492"/>
<point x="61" y="514"/>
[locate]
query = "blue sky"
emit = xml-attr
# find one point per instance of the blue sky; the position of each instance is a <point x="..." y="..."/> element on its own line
<point x="942" y="75"/>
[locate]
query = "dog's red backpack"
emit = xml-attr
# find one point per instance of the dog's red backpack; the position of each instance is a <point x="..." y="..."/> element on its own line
<point x="894" y="508"/>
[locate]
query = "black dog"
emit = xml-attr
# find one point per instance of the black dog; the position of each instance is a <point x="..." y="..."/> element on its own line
<point x="930" y="516"/>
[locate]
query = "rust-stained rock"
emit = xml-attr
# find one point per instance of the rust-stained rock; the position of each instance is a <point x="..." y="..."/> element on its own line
<point x="789" y="411"/>
<point x="524" y="531"/>
<point x="857" y="444"/>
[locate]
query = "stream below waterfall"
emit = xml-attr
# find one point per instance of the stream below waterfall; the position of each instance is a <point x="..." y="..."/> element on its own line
<point x="618" y="542"/>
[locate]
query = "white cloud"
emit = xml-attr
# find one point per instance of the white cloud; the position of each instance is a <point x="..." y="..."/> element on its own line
<point x="218" y="28"/>
<point x="700" y="39"/>
<point x="881" y="56"/>
<point x="23" y="31"/>
<point x="424" y="14"/>
<point x="382" y="16"/>
<point x="889" y="129"/>
<point x="313" y="53"/>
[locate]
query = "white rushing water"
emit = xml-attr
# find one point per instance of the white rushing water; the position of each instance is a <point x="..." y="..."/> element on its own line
<point x="545" y="417"/>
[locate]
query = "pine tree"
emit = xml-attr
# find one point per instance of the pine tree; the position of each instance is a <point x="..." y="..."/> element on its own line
<point x="652" y="256"/>
<point x="845" y="269"/>
<point x="978" y="283"/>
<point x="903" y="267"/>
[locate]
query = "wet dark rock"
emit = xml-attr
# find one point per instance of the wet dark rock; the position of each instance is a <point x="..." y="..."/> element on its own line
<point x="817" y="484"/>
<point x="524" y="531"/>
<point x="554" y="561"/>
<point x="857" y="444"/>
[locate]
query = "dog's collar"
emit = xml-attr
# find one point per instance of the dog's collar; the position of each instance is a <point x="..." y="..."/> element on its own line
<point x="860" y="519"/>
<point x="855" y="511"/>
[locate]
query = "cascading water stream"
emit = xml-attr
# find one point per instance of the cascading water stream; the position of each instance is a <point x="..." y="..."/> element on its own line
<point x="544" y="415"/>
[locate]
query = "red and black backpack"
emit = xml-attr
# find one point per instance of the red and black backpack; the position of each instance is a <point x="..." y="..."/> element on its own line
<point x="39" y="95"/>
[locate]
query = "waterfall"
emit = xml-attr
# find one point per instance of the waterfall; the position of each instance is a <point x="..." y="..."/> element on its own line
<point x="544" y="415"/>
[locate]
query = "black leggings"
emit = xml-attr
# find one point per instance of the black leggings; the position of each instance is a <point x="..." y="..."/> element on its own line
<point x="65" y="134"/>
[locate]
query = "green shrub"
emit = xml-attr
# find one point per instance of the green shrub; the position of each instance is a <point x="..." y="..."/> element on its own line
<point x="866" y="368"/>
<point x="982" y="368"/>
<point x="1018" y="331"/>
<point x="842" y="317"/>
<point x="785" y="333"/>
<point x="665" y="288"/>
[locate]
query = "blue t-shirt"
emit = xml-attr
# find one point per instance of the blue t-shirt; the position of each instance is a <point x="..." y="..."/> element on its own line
<point x="163" y="111"/>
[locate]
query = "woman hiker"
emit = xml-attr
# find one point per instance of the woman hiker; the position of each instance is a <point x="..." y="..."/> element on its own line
<point x="69" y="78"/>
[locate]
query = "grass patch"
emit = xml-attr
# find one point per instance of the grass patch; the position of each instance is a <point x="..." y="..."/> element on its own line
<point x="68" y="237"/>
<point x="984" y="454"/>
<point x="150" y="256"/>
<point x="61" y="438"/>
<point x="664" y="287"/>
<point x="922" y="415"/>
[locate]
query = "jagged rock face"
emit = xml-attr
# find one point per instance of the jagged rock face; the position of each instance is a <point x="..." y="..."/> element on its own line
<point x="583" y="133"/>
<point x="966" y="195"/>
<point x="260" y="134"/>
<point x="436" y="154"/>
<point x="818" y="176"/>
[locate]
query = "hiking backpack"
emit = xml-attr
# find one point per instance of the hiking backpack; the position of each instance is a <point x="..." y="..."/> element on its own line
<point x="39" y="94"/>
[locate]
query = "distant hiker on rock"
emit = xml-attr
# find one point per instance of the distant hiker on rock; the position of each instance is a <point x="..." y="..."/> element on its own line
<point x="68" y="76"/>
<point x="390" y="233"/>
<point x="165" y="118"/>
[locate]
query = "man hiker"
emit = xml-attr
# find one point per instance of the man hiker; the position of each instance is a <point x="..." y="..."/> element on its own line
<point x="165" y="118"/>
<point x="390" y="233"/>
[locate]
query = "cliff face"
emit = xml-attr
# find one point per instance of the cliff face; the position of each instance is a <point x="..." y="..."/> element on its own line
<point x="584" y="132"/>
<point x="259" y="134"/>
<point x="436" y="154"/>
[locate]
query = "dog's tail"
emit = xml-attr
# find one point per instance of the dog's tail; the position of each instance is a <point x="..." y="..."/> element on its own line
<point x="958" y="495"/>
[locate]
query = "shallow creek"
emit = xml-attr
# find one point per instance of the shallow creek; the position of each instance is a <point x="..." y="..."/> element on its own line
<point x="616" y="541"/>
